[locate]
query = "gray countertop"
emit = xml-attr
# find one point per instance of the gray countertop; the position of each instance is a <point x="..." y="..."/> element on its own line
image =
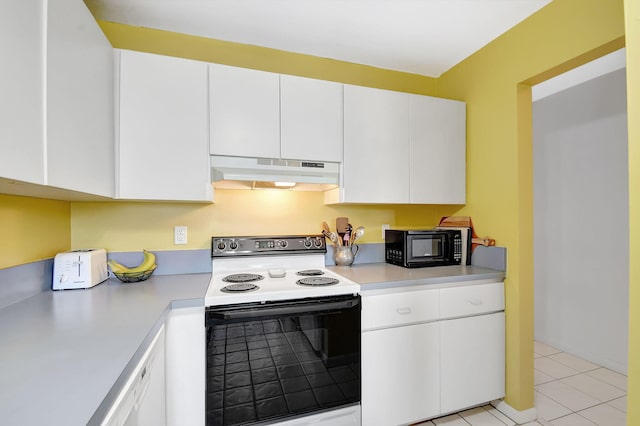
<point x="61" y="352"/>
<point x="377" y="276"/>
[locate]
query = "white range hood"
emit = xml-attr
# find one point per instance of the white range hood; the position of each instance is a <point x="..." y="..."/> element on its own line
<point x="254" y="173"/>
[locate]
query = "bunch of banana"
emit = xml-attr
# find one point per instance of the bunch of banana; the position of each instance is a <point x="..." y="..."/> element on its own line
<point x="148" y="264"/>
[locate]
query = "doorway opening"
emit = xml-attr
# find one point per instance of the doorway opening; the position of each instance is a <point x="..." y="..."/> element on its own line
<point x="581" y="236"/>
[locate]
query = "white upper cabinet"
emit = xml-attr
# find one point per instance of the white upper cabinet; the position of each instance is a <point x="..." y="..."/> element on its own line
<point x="79" y="101"/>
<point x="21" y="85"/>
<point x="401" y="148"/>
<point x="376" y="147"/>
<point x="310" y="119"/>
<point x="437" y="151"/>
<point x="164" y="135"/>
<point x="244" y="112"/>
<point x="56" y="111"/>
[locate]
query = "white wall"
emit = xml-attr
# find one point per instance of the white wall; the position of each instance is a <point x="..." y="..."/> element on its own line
<point x="581" y="220"/>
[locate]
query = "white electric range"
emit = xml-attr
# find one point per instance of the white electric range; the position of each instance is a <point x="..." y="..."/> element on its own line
<point x="283" y="335"/>
<point x="258" y="269"/>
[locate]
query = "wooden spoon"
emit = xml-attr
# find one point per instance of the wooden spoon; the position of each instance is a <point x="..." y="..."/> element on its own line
<point x="325" y="227"/>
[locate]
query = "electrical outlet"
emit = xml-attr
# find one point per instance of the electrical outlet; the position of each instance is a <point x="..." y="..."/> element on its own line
<point x="385" y="226"/>
<point x="180" y="235"/>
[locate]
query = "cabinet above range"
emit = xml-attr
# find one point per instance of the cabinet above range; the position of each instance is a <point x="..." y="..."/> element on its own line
<point x="392" y="147"/>
<point x="260" y="114"/>
<point x="174" y="115"/>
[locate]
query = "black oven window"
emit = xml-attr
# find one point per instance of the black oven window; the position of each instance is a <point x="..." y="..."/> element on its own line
<point x="279" y="367"/>
<point x="426" y="247"/>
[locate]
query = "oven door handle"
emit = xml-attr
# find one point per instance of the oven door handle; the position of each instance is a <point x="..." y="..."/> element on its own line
<point x="301" y="308"/>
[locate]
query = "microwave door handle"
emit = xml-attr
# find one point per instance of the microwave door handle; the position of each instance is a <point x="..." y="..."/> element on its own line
<point x="292" y="309"/>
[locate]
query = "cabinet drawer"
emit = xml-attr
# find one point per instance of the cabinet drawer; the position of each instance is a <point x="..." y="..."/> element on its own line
<point x="471" y="300"/>
<point x="388" y="310"/>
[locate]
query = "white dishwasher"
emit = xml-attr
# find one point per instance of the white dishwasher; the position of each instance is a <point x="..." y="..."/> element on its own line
<point x="142" y="400"/>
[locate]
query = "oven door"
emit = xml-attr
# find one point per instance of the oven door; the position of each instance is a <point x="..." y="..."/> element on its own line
<point x="277" y="360"/>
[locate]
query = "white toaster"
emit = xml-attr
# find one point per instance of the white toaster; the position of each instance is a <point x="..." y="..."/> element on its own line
<point x="79" y="269"/>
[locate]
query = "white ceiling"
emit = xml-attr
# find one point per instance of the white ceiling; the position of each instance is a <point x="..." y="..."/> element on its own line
<point x="425" y="37"/>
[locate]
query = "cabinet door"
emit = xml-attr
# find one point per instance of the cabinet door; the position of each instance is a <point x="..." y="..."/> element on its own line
<point x="21" y="107"/>
<point x="310" y="119"/>
<point x="438" y="151"/>
<point x="400" y="374"/>
<point x="163" y="147"/>
<point x="472" y="360"/>
<point x="79" y="101"/>
<point x="245" y="112"/>
<point x="376" y="146"/>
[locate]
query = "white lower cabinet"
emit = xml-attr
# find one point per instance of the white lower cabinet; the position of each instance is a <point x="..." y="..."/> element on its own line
<point x="472" y="361"/>
<point x="430" y="352"/>
<point x="400" y="374"/>
<point x="186" y="367"/>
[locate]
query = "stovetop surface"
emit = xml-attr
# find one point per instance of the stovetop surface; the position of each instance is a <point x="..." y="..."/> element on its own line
<point x="279" y="279"/>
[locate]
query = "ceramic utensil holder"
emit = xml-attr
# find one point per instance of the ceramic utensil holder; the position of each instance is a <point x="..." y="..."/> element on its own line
<point x="344" y="255"/>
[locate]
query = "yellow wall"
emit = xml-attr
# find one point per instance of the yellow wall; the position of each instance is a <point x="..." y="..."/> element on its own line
<point x="495" y="82"/>
<point x="32" y="229"/>
<point x="632" y="27"/>
<point x="133" y="226"/>
<point x="272" y="60"/>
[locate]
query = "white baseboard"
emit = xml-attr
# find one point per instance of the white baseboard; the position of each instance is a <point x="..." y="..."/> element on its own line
<point x="520" y="417"/>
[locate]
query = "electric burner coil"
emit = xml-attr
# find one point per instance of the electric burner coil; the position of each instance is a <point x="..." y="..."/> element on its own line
<point x="310" y="272"/>
<point x="239" y="288"/>
<point x="317" y="281"/>
<point x="242" y="278"/>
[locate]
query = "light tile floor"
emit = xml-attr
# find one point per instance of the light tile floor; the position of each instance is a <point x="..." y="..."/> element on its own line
<point x="569" y="391"/>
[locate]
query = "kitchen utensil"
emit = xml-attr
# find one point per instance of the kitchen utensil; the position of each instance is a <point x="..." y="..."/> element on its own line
<point x="358" y="233"/>
<point x="465" y="221"/>
<point x="347" y="235"/>
<point x="325" y="227"/>
<point x="484" y="241"/>
<point x="342" y="226"/>
<point x="335" y="239"/>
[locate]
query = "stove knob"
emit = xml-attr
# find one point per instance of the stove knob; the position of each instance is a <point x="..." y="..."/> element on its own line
<point x="307" y="243"/>
<point x="221" y="245"/>
<point x="233" y="245"/>
<point x="317" y="242"/>
<point x="282" y="244"/>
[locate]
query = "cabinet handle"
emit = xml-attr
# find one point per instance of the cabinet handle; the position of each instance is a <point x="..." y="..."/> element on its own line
<point x="475" y="301"/>
<point x="403" y="311"/>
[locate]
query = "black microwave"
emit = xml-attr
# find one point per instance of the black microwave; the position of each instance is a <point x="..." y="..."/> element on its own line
<point x="431" y="247"/>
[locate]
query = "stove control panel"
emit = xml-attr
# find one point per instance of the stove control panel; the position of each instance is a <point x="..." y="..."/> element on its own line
<point x="248" y="246"/>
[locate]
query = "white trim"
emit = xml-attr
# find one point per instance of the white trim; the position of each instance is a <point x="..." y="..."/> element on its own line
<point x="596" y="68"/>
<point x="520" y="417"/>
<point x="45" y="91"/>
